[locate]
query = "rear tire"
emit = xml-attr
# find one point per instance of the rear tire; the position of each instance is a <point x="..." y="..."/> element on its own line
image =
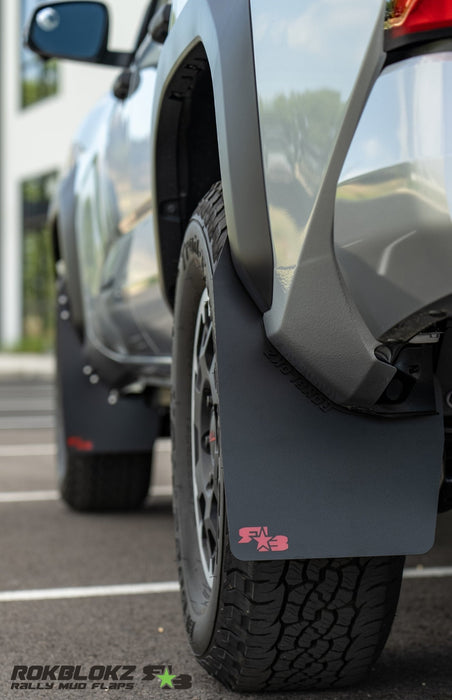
<point x="266" y="625"/>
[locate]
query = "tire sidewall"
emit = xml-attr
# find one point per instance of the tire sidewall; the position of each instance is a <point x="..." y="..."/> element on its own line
<point x="200" y="602"/>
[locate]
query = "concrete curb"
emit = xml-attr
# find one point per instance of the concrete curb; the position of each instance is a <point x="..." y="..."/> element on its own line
<point x="26" y="365"/>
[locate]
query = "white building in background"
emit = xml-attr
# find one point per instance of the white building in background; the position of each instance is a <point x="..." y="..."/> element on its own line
<point x="41" y="106"/>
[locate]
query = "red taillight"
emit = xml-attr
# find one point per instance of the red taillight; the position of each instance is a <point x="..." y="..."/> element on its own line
<point x="413" y="16"/>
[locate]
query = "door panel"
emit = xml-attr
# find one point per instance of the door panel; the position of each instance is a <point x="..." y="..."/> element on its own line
<point x="125" y="181"/>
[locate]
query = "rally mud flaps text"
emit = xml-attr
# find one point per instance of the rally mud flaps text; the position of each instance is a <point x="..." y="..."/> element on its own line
<point x="99" y="677"/>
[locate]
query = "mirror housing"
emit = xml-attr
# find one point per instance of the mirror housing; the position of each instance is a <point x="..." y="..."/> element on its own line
<point x="77" y="31"/>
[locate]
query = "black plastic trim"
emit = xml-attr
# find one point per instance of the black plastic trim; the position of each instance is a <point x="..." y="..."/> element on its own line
<point x="159" y="24"/>
<point x="222" y="31"/>
<point x="64" y="219"/>
<point x="395" y="43"/>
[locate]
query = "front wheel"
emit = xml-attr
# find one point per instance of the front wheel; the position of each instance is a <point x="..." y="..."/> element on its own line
<point x="266" y="625"/>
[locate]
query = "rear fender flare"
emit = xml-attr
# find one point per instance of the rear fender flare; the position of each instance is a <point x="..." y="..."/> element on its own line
<point x="216" y="27"/>
<point x="66" y="248"/>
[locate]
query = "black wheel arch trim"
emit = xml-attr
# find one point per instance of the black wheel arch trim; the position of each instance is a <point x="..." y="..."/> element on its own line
<point x="222" y="33"/>
<point x="62" y="219"/>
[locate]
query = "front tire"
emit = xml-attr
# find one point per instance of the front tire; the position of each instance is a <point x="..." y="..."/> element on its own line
<point x="266" y="625"/>
<point x="90" y="481"/>
<point x="104" y="482"/>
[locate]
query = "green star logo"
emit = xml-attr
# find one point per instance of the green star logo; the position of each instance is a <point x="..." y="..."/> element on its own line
<point x="166" y="679"/>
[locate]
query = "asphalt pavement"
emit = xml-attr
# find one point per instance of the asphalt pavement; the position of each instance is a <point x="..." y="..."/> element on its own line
<point x="89" y="604"/>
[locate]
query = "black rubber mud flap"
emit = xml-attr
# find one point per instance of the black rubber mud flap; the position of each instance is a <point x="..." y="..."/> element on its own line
<point x="303" y="479"/>
<point x="91" y="423"/>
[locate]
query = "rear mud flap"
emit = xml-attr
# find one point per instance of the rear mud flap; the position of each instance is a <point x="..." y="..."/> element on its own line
<point x="303" y="479"/>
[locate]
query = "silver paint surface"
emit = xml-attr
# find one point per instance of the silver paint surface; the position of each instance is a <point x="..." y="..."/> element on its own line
<point x="393" y="229"/>
<point x="308" y="54"/>
<point x="316" y="62"/>
<point x="124" y="309"/>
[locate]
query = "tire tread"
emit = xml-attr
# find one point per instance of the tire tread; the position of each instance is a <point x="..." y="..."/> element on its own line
<point x="309" y="625"/>
<point x="106" y="482"/>
<point x="288" y="625"/>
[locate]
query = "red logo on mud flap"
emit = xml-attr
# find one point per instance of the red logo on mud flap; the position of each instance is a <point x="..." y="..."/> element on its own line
<point x="79" y="443"/>
<point x="264" y="541"/>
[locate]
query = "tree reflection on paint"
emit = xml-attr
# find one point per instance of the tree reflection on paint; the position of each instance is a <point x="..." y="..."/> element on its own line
<point x="300" y="131"/>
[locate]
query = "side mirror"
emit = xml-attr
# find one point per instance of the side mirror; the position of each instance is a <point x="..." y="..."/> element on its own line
<point x="77" y="31"/>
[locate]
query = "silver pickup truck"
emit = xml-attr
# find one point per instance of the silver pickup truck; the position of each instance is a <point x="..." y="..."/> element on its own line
<point x="253" y="245"/>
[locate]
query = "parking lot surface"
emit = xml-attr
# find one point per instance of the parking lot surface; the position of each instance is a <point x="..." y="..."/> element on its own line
<point x="89" y="604"/>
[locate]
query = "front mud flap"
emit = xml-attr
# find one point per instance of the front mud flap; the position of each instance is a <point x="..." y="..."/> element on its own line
<point x="91" y="424"/>
<point x="303" y="479"/>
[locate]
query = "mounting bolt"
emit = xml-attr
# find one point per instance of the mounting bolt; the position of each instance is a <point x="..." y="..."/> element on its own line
<point x="113" y="397"/>
<point x="169" y="208"/>
<point x="65" y="315"/>
<point x="87" y="370"/>
<point x="94" y="379"/>
<point x="62" y="299"/>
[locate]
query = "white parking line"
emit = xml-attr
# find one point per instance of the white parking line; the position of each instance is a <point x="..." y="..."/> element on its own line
<point x="34" y="496"/>
<point x="151" y="588"/>
<point x="27" y="422"/>
<point x="27" y="450"/>
<point x="161" y="490"/>
<point x="161" y="446"/>
<point x="428" y="572"/>
<point x="28" y="496"/>
<point x="88" y="592"/>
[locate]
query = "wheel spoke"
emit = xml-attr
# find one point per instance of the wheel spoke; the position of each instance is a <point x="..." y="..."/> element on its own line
<point x="205" y="447"/>
<point x="213" y="381"/>
<point x="202" y="474"/>
<point x="197" y="408"/>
